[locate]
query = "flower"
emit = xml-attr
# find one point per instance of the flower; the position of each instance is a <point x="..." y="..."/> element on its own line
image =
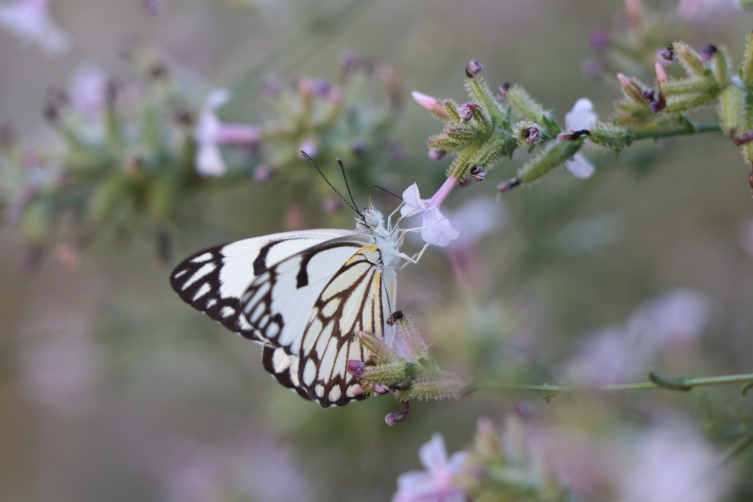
<point x="439" y="481"/>
<point x="581" y="117"/>
<point x="435" y="228"/>
<point x="666" y="464"/>
<point x="211" y="132"/>
<point x="702" y="10"/>
<point x="30" y="20"/>
<point x="429" y="102"/>
<point x="87" y="90"/>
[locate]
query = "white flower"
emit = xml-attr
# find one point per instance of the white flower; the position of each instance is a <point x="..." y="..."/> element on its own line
<point x="211" y="132"/>
<point x="438" y="482"/>
<point x="582" y="116"/>
<point x="208" y="157"/>
<point x="30" y="20"/>
<point x="435" y="228"/>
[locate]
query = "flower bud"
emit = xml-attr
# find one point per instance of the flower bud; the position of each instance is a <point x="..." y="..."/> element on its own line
<point x="478" y="173"/>
<point x="690" y="59"/>
<point x="747" y="66"/>
<point x="632" y="90"/>
<point x="661" y="75"/>
<point x="669" y="54"/>
<point x="486" y="442"/>
<point x="381" y="389"/>
<point x="394" y="317"/>
<point x="729" y="109"/>
<point x="525" y="105"/>
<point x="356" y="368"/>
<point x="506" y="186"/>
<point x="437" y="154"/>
<point x="707" y="52"/>
<point x="320" y="87"/>
<point x="466" y="111"/>
<point x="502" y="91"/>
<point x="432" y="104"/>
<point x="648" y="94"/>
<point x="532" y="134"/>
<point x="391" y="418"/>
<point x="473" y="68"/>
<point x="598" y="39"/>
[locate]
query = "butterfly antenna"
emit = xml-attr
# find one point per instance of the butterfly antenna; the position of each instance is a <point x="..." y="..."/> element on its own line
<point x="342" y="168"/>
<point x="330" y="184"/>
<point x="385" y="190"/>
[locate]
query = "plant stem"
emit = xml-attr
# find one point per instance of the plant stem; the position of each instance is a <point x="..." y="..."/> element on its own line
<point x="689" y="382"/>
<point x="675" y="131"/>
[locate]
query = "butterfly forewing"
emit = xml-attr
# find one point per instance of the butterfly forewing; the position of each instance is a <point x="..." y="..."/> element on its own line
<point x="278" y="302"/>
<point x="213" y="281"/>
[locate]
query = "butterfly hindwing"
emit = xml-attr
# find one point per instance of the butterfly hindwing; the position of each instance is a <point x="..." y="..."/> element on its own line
<point x="212" y="281"/>
<point x="355" y="299"/>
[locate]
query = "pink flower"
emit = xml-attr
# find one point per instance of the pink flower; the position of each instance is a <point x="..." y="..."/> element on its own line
<point x="87" y="90"/>
<point x="30" y="20"/>
<point x="429" y="102"/>
<point x="210" y="132"/>
<point x="435" y="228"/>
<point x="582" y="116"/>
<point x="438" y="483"/>
<point x="667" y="464"/>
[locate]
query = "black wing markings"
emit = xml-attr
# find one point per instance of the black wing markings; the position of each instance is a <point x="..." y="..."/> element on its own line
<point x="332" y="389"/>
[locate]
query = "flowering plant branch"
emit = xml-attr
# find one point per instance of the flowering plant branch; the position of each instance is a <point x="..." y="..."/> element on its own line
<point x="488" y="128"/>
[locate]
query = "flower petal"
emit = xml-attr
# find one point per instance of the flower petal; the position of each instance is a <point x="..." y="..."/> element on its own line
<point x="436" y="228"/>
<point x="580" y="166"/>
<point x="209" y="160"/>
<point x="434" y="454"/>
<point x="413" y="201"/>
<point x="428" y="102"/>
<point x="582" y="116"/>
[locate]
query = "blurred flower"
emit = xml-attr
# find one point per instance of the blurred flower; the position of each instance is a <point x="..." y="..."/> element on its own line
<point x="598" y="39"/>
<point x="192" y="473"/>
<point x="701" y="10"/>
<point x="670" y="322"/>
<point x="264" y="470"/>
<point x="211" y="132"/>
<point x="262" y="173"/>
<point x="154" y="8"/>
<point x="439" y="481"/>
<point x="309" y="148"/>
<point x="87" y="90"/>
<point x="30" y="20"/>
<point x="581" y="117"/>
<point x="667" y="464"/>
<point x="435" y="228"/>
<point x="477" y="217"/>
<point x="437" y="154"/>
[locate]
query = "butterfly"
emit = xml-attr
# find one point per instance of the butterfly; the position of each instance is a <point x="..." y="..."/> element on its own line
<point x="303" y="296"/>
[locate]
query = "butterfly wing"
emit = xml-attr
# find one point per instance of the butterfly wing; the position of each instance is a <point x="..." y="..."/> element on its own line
<point x="213" y="281"/>
<point x="359" y="297"/>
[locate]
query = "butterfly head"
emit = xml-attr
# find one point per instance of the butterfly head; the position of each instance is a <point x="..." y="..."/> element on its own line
<point x="370" y="220"/>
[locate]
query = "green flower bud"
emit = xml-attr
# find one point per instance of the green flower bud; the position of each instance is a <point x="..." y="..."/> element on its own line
<point x="553" y="155"/>
<point x="722" y="66"/>
<point x="729" y="109"/>
<point x="689" y="59"/>
<point x="525" y="105"/>
<point x="689" y="85"/>
<point x="746" y="71"/>
<point x="437" y="387"/>
<point x="685" y="102"/>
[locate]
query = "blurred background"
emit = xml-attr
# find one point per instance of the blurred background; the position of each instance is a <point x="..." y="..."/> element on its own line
<point x="113" y="389"/>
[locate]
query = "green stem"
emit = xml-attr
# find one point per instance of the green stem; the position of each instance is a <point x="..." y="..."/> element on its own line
<point x="689" y="382"/>
<point x="677" y="131"/>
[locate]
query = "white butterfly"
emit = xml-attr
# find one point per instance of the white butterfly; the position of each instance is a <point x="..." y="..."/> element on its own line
<point x="303" y="296"/>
